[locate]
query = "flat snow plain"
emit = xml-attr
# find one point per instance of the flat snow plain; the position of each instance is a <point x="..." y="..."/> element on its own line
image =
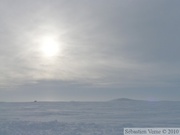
<point x="85" y="118"/>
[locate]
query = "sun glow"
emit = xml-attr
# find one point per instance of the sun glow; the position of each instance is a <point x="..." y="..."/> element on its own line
<point x="49" y="46"/>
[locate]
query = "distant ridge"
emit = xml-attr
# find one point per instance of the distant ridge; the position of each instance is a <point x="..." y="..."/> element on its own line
<point x="127" y="100"/>
<point x="136" y="100"/>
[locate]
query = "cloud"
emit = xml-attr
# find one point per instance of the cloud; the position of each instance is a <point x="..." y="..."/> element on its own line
<point x="106" y="43"/>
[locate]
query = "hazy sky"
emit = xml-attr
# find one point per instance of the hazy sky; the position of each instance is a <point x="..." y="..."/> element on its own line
<point x="89" y="49"/>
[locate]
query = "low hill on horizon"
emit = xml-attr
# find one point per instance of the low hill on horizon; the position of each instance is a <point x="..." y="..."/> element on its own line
<point x="127" y="100"/>
<point x="138" y="100"/>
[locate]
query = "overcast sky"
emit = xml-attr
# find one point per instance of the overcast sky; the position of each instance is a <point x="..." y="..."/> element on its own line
<point x="66" y="50"/>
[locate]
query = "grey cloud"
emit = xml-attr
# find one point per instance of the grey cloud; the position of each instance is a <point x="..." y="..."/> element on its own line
<point x="115" y="43"/>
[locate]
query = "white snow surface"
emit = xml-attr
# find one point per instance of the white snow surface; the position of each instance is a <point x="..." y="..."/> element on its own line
<point x="85" y="118"/>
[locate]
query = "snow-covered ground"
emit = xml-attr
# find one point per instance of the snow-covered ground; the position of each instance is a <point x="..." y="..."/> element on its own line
<point x="85" y="118"/>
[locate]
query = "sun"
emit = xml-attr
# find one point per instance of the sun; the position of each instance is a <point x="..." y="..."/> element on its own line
<point x="49" y="46"/>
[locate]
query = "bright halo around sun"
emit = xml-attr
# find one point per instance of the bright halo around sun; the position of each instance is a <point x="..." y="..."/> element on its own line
<point x="49" y="46"/>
